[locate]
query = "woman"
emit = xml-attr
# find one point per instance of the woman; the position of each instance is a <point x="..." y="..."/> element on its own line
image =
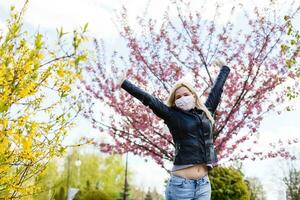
<point x="190" y="123"/>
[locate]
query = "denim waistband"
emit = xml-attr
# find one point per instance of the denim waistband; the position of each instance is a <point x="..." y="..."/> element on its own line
<point x="202" y="179"/>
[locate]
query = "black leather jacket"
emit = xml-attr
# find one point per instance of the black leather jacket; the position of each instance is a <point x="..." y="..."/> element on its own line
<point x="191" y="130"/>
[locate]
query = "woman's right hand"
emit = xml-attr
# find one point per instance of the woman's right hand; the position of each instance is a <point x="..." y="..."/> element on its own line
<point x="219" y="62"/>
<point x="121" y="76"/>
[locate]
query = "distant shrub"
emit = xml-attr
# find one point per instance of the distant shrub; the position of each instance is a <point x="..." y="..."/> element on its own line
<point x="228" y="184"/>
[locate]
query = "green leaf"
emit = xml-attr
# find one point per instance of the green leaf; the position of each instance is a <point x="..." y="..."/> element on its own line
<point x="85" y="27"/>
<point x="61" y="32"/>
<point x="3" y="107"/>
<point x="286" y="18"/>
<point x="284" y="48"/>
<point x="289" y="30"/>
<point x="293" y="42"/>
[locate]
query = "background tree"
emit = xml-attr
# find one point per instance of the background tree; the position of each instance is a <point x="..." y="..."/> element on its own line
<point x="156" y="195"/>
<point x="125" y="194"/>
<point x="61" y="195"/>
<point x="292" y="182"/>
<point x="164" y="50"/>
<point x="93" y="195"/>
<point x="137" y="193"/>
<point x="104" y="173"/>
<point x="255" y="188"/>
<point x="51" y="183"/>
<point x="33" y="125"/>
<point x="148" y="196"/>
<point x="228" y="183"/>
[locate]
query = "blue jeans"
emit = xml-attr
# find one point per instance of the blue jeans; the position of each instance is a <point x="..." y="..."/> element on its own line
<point x="180" y="188"/>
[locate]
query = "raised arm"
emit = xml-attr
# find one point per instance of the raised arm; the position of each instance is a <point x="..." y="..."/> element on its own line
<point x="156" y="105"/>
<point x="216" y="91"/>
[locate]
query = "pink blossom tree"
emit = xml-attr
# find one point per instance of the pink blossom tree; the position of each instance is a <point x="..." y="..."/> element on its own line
<point x="164" y="51"/>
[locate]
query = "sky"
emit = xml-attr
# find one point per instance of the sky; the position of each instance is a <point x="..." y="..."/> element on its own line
<point x="46" y="16"/>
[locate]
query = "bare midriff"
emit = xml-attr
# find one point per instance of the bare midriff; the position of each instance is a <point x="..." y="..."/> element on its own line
<point x="194" y="172"/>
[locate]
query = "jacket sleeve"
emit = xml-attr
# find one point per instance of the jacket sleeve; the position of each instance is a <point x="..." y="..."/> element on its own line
<point x="214" y="96"/>
<point x="157" y="106"/>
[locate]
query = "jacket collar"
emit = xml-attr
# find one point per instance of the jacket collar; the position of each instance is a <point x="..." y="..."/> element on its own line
<point x="190" y="112"/>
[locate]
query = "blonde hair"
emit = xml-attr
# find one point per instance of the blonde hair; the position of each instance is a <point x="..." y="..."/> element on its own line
<point x="199" y="104"/>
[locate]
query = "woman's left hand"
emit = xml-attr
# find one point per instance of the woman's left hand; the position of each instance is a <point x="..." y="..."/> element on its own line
<point x="121" y="76"/>
<point x="219" y="62"/>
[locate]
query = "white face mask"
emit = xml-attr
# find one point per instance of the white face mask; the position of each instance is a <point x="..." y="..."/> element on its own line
<point x="185" y="102"/>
